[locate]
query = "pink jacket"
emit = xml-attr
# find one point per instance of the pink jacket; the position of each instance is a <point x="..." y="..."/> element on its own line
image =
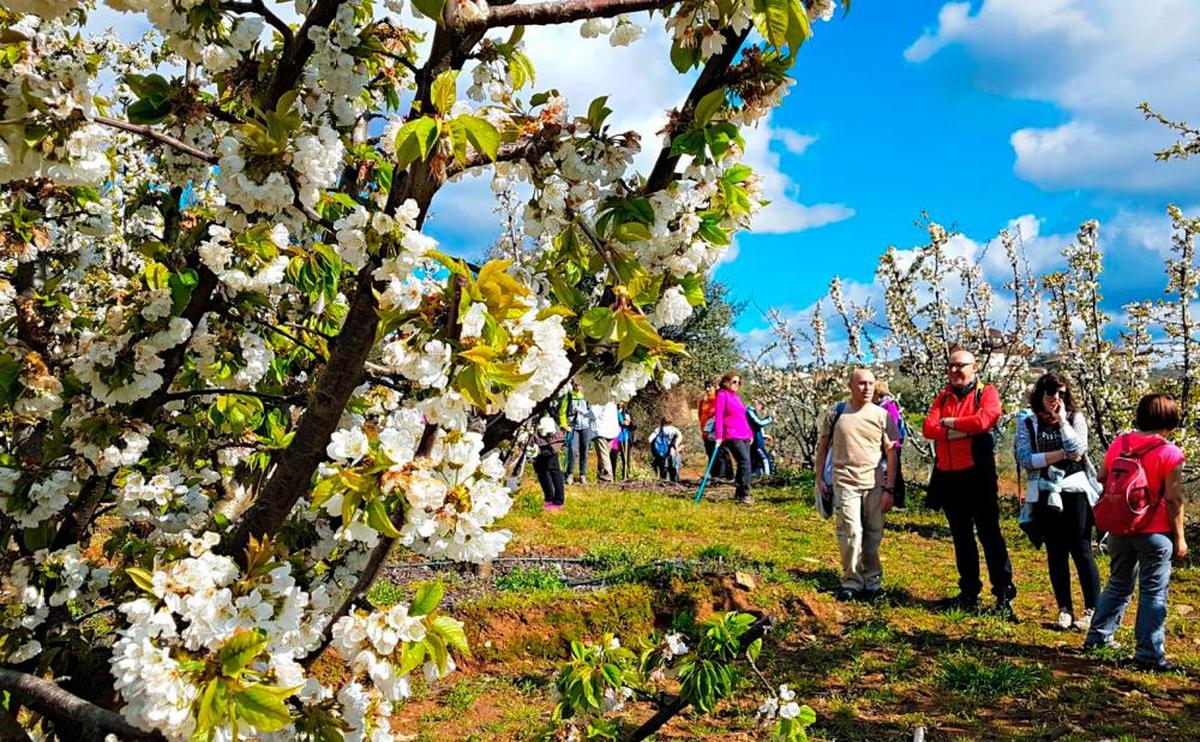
<point x="730" y="421"/>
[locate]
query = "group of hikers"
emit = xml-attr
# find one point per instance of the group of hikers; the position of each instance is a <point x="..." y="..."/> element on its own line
<point x="1135" y="496"/>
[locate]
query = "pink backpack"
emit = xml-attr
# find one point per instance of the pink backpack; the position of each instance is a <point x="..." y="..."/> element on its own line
<point x="1127" y="504"/>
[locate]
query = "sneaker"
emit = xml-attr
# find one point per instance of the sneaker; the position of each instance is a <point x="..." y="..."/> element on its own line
<point x="745" y="500"/>
<point x="1084" y="622"/>
<point x="569" y="480"/>
<point x="1065" y="619"/>
<point x="960" y="602"/>
<point x="873" y="596"/>
<point x="846" y="595"/>
<point x="548" y="506"/>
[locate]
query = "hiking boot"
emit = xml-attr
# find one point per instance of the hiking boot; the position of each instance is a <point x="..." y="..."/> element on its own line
<point x="846" y="595"/>
<point x="1065" y="619"/>
<point x="1004" y="609"/>
<point x="1084" y="622"/>
<point x="960" y="602"/>
<point x="1163" y="665"/>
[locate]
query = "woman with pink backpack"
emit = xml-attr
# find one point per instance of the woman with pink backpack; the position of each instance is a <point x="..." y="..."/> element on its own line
<point x="1142" y="509"/>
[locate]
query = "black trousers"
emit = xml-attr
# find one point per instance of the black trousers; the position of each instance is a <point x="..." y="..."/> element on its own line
<point x="741" y="458"/>
<point x="721" y="468"/>
<point x="1068" y="537"/>
<point x="550" y="477"/>
<point x="971" y="499"/>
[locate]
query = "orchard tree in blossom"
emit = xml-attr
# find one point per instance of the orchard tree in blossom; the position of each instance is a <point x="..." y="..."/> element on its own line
<point x="237" y="373"/>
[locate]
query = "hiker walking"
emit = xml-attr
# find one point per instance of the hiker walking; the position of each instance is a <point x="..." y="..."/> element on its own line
<point x="964" y="482"/>
<point x="1051" y="445"/>
<point x="1142" y="509"/>
<point x="705" y="409"/>
<point x="732" y="433"/>
<point x="761" y="461"/>
<point x="576" y="415"/>
<point x="664" y="450"/>
<point x="549" y="438"/>
<point x="606" y="427"/>
<point x="857" y="436"/>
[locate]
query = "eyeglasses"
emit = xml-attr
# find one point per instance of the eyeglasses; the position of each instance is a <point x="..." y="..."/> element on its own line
<point x="958" y="366"/>
<point x="736" y="382"/>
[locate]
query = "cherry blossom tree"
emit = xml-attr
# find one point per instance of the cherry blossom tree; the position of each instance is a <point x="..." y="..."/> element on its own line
<point x="237" y="372"/>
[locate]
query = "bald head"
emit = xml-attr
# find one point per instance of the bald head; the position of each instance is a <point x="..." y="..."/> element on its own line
<point x="961" y="368"/>
<point x="862" y="386"/>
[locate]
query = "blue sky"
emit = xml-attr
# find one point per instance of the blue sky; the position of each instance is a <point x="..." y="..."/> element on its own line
<point x="897" y="135"/>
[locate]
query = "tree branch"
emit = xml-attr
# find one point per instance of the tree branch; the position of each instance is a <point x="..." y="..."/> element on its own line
<point x="186" y="393"/>
<point x="56" y="703"/>
<point x="709" y="80"/>
<point x="551" y="13"/>
<point x="292" y="61"/>
<point x="529" y="148"/>
<point x="157" y="136"/>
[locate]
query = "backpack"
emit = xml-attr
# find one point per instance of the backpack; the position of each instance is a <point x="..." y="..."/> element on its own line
<point x="662" y="444"/>
<point x="1127" y="505"/>
<point x="827" y="472"/>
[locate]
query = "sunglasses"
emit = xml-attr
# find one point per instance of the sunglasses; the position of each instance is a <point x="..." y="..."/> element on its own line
<point x="736" y="382"/>
<point x="1055" y="392"/>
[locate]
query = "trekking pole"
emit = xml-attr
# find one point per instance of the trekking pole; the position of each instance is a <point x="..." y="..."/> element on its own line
<point x="704" y="481"/>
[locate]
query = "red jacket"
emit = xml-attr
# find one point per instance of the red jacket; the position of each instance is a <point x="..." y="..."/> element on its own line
<point x="974" y="414"/>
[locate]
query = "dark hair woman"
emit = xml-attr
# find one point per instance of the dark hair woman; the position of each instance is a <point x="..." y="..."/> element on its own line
<point x="1051" y="445"/>
<point x="731" y="430"/>
<point x="1145" y="555"/>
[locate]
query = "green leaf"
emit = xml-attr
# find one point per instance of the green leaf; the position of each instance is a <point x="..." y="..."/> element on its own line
<point x="214" y="706"/>
<point x="754" y="649"/>
<point x="181" y="285"/>
<point x="10" y="371"/>
<point x="597" y="323"/>
<point x="239" y="650"/>
<point x="632" y="232"/>
<point x="798" y="27"/>
<point x="411" y="657"/>
<point x="428" y="597"/>
<point x="156" y="274"/>
<point x="775" y="20"/>
<point x="520" y="67"/>
<point x="415" y="139"/>
<point x="693" y="289"/>
<point x="684" y="58"/>
<point x="451" y="630"/>
<point x="598" y="111"/>
<point x="444" y="91"/>
<point x="377" y="518"/>
<point x="146" y="111"/>
<point x="141" y="578"/>
<point x="708" y="107"/>
<point x="262" y="708"/>
<point x="484" y="137"/>
<point x="430" y="8"/>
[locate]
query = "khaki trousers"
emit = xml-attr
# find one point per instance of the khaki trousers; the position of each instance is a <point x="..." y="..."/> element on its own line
<point x="858" y="517"/>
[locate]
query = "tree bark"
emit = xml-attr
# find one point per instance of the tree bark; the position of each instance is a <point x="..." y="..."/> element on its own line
<point x="55" y="703"/>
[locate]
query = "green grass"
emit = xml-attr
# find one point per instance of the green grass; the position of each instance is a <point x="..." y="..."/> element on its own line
<point x="531" y="579"/>
<point x="987" y="678"/>
<point x="871" y="672"/>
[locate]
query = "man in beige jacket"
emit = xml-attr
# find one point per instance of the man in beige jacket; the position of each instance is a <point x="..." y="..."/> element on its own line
<point x="857" y="434"/>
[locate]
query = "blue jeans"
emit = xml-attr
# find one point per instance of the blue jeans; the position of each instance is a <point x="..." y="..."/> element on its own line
<point x="577" y="451"/>
<point x="1146" y="558"/>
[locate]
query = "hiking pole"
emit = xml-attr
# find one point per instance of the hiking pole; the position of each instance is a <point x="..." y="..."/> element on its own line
<point x="704" y="481"/>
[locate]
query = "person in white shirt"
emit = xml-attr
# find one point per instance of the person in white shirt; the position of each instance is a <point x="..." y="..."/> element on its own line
<point x="664" y="450"/>
<point x="606" y="425"/>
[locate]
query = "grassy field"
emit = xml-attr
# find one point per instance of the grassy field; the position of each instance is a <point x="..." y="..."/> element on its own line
<point x="871" y="672"/>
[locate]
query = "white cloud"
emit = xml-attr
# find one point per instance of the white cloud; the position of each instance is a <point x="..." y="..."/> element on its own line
<point x="785" y="213"/>
<point x="793" y="141"/>
<point x="1096" y="60"/>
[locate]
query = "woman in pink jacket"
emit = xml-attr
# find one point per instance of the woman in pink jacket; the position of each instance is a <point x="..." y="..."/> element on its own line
<point x="731" y="429"/>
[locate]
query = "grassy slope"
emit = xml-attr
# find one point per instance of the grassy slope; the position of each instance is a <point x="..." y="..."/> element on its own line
<point x="871" y="672"/>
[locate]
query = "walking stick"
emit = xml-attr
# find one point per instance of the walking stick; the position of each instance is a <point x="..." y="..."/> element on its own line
<point x="704" y="481"/>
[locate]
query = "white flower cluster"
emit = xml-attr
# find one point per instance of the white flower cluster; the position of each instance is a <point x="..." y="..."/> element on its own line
<point x="107" y="454"/>
<point x="48" y="87"/>
<point x="621" y="32"/>
<point x="783" y="705"/>
<point x="197" y="604"/>
<point x="41" y="501"/>
<point x="166" y="499"/>
<point x="672" y="310"/>
<point x="702" y="25"/>
<point x="334" y="78"/>
<point x="370" y="642"/>
<point x="243" y="273"/>
<point x="118" y="372"/>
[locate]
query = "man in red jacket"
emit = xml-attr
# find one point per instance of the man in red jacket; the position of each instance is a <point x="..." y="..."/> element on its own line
<point x="964" y="482"/>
